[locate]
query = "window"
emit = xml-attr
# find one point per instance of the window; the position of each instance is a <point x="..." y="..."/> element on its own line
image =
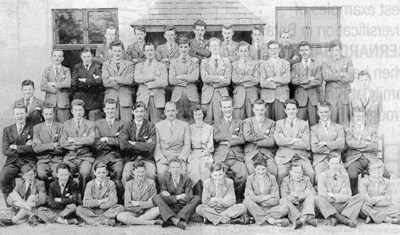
<point x="317" y="25"/>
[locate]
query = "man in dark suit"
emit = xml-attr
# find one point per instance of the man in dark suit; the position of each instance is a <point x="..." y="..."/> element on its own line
<point x="135" y="51"/>
<point x="17" y="147"/>
<point x="107" y="144"/>
<point x="228" y="135"/>
<point x="288" y="51"/>
<point x="199" y="46"/>
<point x="63" y="198"/>
<point x="138" y="140"/>
<point x="87" y="84"/>
<point x="103" y="52"/>
<point x="33" y="104"/>
<point x="176" y="201"/>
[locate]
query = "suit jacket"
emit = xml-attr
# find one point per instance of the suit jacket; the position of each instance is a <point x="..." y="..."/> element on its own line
<point x="339" y="187"/>
<point x="121" y="88"/>
<point x="227" y="197"/>
<point x="172" y="143"/>
<point x="279" y="89"/>
<point x="20" y="189"/>
<point x="57" y="95"/>
<point x="70" y="195"/>
<point x="162" y="52"/>
<point x="83" y="140"/>
<point x="152" y="80"/>
<point x="93" y="194"/>
<point x="337" y="86"/>
<point x="183" y="77"/>
<point x="373" y="106"/>
<point x="102" y="54"/>
<point x="145" y="141"/>
<point x="135" y="52"/>
<point x="245" y="77"/>
<point x="361" y="144"/>
<point x="185" y="186"/>
<point x="109" y="149"/>
<point x="88" y="91"/>
<point x="379" y="194"/>
<point x="254" y="192"/>
<point x="258" y="141"/>
<point x="36" y="106"/>
<point x="144" y="195"/>
<point x="254" y="52"/>
<point x="230" y="51"/>
<point x="25" y="152"/>
<point x="287" y="53"/>
<point x="197" y="51"/>
<point x="302" y="187"/>
<point x="43" y="142"/>
<point x="223" y="132"/>
<point x="285" y="137"/>
<point x="334" y="138"/>
<point x="307" y="91"/>
<point x="215" y="79"/>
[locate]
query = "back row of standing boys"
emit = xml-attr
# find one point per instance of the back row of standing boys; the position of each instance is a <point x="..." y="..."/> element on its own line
<point x="134" y="150"/>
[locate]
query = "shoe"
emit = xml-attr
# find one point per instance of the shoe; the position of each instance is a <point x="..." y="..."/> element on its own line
<point x="167" y="223"/>
<point x="158" y="222"/>
<point x="368" y="220"/>
<point x="334" y="221"/>
<point x="206" y="221"/>
<point x="108" y="222"/>
<point x="33" y="221"/>
<point x="252" y="220"/>
<point x="282" y="222"/>
<point x="181" y="225"/>
<point x="346" y="221"/>
<point x="297" y="224"/>
<point x="73" y="221"/>
<point x="5" y="222"/>
<point x="237" y="221"/>
<point x="312" y="222"/>
<point x="396" y="221"/>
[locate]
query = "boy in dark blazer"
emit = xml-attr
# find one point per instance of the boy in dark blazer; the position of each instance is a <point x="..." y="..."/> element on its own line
<point x="62" y="199"/>
<point x="199" y="46"/>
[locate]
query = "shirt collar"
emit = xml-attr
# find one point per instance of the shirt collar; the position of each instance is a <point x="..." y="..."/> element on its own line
<point x="60" y="183"/>
<point x="88" y="65"/>
<point x="228" y="120"/>
<point x="213" y="57"/>
<point x="308" y="61"/>
<point x="57" y="66"/>
<point x="30" y="100"/>
<point x="108" y="120"/>
<point x="177" y="179"/>
<point x="98" y="182"/>
<point x="20" y="126"/>
<point x="260" y="120"/>
<point x="328" y="122"/>
<point x="77" y="121"/>
<point x="171" y="123"/>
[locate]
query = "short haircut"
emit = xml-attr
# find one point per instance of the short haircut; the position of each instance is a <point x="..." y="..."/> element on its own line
<point x="244" y="44"/>
<point x="259" y="102"/>
<point x="333" y="155"/>
<point x="177" y="160"/>
<point x="28" y="167"/>
<point x="63" y="166"/>
<point x="171" y="103"/>
<point x="28" y="82"/>
<point x="138" y="164"/>
<point x="150" y="44"/>
<point x="78" y="102"/>
<point x="197" y="108"/>
<point x="110" y="101"/>
<point x="291" y="101"/>
<point x="324" y="104"/>
<point x="259" y="28"/>
<point x="217" y="167"/>
<point x="183" y="40"/>
<point x="85" y="49"/>
<point x="224" y="99"/>
<point x="285" y="31"/>
<point x="100" y="165"/>
<point x="273" y="42"/>
<point x="304" y="44"/>
<point x="259" y="161"/>
<point x="20" y="106"/>
<point x="214" y="39"/>
<point x="56" y="49"/>
<point x="335" y="43"/>
<point x="199" y="23"/>
<point x="364" y="73"/>
<point x="358" y="110"/>
<point x="139" y="104"/>
<point x="49" y="106"/>
<point x="117" y="43"/>
<point x="169" y="28"/>
<point x="140" y="28"/>
<point x="227" y="26"/>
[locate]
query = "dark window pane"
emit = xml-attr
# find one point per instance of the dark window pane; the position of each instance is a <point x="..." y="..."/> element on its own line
<point x="69" y="27"/>
<point x="293" y="20"/>
<point x="324" y="25"/>
<point x="98" y="23"/>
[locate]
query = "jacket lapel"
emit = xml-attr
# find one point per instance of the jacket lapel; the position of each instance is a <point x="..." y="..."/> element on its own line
<point x="113" y="65"/>
<point x="121" y="67"/>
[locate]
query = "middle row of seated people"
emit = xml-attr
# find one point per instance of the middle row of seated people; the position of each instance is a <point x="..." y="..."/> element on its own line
<point x="265" y="201"/>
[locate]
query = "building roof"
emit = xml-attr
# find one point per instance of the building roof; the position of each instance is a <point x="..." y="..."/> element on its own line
<point x="183" y="13"/>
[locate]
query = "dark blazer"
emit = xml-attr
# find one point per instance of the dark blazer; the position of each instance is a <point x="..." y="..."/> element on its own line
<point x="185" y="186"/>
<point x="291" y="51"/>
<point x="35" y="111"/>
<point x="111" y="147"/>
<point x="69" y="196"/>
<point x="223" y="132"/>
<point x="43" y="142"/>
<point x="197" y="51"/>
<point x="10" y="136"/>
<point x="20" y="189"/>
<point x="145" y="143"/>
<point x="88" y="91"/>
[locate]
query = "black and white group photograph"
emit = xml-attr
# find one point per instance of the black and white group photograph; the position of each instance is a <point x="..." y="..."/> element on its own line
<point x="200" y="117"/>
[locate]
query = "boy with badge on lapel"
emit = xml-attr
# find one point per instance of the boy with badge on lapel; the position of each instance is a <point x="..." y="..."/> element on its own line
<point x="100" y="199"/>
<point x="62" y="200"/>
<point x="56" y="82"/>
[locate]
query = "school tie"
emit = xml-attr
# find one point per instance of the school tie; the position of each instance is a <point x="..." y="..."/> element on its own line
<point x="87" y="67"/>
<point x="306" y="66"/>
<point x="110" y="124"/>
<point x="258" y="52"/>
<point x="176" y="182"/>
<point x="291" y="124"/>
<point x="172" y="128"/>
<point x="117" y="65"/>
<point x="150" y="62"/>
<point x="218" y="192"/>
<point x="49" y="129"/>
<point x="62" y="188"/>
<point x="200" y="43"/>
<point x="171" y="50"/>
<point x="27" y="103"/>
<point x="20" y="131"/>
<point x="184" y="60"/>
<point x="28" y="192"/>
<point x="57" y="71"/>
<point x="216" y="62"/>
